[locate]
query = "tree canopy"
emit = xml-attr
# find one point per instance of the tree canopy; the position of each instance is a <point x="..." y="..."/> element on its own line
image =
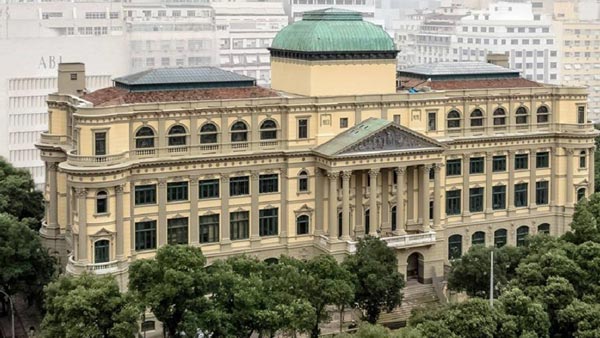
<point x="18" y="196"/>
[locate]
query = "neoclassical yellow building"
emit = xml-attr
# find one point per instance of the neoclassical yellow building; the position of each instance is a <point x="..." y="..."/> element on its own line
<point x="432" y="160"/>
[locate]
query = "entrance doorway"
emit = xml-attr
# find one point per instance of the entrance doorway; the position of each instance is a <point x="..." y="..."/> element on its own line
<point x="415" y="267"/>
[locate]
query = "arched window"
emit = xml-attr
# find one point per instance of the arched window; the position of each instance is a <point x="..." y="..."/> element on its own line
<point x="521" y="115"/>
<point x="208" y="133"/>
<point x="454" y="246"/>
<point x="303" y="181"/>
<point x="340" y="221"/>
<point x="477" y="118"/>
<point x="239" y="132"/>
<point x="580" y="193"/>
<point x="394" y="225"/>
<point x="101" y="251"/>
<point x="500" y="238"/>
<point x="544" y="228"/>
<point x="268" y="130"/>
<point x="453" y="119"/>
<point x="144" y="138"/>
<point x="302" y="224"/>
<point x="522" y="233"/>
<point x="543" y="115"/>
<point x="499" y="117"/>
<point x="367" y="221"/>
<point x="582" y="159"/>
<point x="177" y="136"/>
<point x="101" y="202"/>
<point x="478" y="238"/>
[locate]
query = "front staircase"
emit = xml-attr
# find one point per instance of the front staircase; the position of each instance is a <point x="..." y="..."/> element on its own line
<point x="415" y="295"/>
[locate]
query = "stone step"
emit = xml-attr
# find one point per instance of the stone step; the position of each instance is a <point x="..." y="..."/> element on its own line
<point x="415" y="295"/>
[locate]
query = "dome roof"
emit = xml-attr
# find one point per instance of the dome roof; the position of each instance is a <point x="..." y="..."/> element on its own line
<point x="333" y="30"/>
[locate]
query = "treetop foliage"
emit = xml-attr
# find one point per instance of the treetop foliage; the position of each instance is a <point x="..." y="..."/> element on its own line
<point x="18" y="196"/>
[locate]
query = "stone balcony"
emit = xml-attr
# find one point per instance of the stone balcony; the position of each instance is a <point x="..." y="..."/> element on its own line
<point x="401" y="241"/>
<point x="77" y="268"/>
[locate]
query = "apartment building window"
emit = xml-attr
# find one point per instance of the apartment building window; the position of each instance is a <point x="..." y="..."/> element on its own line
<point x="476" y="165"/>
<point x="162" y="13"/>
<point x="431" y="121"/>
<point x="145" y="194"/>
<point x="478" y="238"/>
<point x="208" y="189"/>
<point x="268" y="130"/>
<point x="521" y="115"/>
<point x="144" y="138"/>
<point x="177" y="230"/>
<point x="176" y="14"/>
<point x="208" y="133"/>
<point x="500" y="238"/>
<point x="499" y="117"/>
<point x="145" y="235"/>
<point x="582" y="159"/>
<point x="543" y="115"/>
<point x="453" y="202"/>
<point x="239" y="224"/>
<point x="343" y="122"/>
<point x="521" y="195"/>
<point x="541" y="192"/>
<point x="101" y="202"/>
<point x="499" y="197"/>
<point x="581" y="114"/>
<point x="177" y="136"/>
<point x="99" y="143"/>
<point x="477" y="118"/>
<point x="239" y="186"/>
<point x="476" y="199"/>
<point x="209" y="228"/>
<point x="522" y="233"/>
<point x="268" y="221"/>
<point x="542" y="159"/>
<point x="302" y="225"/>
<point x="521" y="161"/>
<point x="303" y="128"/>
<point x="303" y="181"/>
<point x="580" y="194"/>
<point x="499" y="163"/>
<point x="454" y="247"/>
<point x="101" y="251"/>
<point x="177" y="191"/>
<point x="268" y="183"/>
<point x="453" y="119"/>
<point x="95" y="15"/>
<point x="453" y="167"/>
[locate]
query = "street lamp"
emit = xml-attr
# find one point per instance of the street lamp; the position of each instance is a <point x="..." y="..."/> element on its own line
<point x="12" y="313"/>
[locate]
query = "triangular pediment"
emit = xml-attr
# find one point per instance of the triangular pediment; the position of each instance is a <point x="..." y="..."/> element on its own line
<point x="377" y="136"/>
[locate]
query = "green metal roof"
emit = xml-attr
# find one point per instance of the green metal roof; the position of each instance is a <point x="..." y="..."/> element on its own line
<point x="333" y="30"/>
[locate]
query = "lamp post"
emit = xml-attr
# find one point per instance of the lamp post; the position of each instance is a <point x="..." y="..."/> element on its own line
<point x="492" y="278"/>
<point x="12" y="313"/>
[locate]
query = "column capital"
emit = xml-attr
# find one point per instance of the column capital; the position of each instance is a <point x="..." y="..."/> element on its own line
<point x="53" y="166"/>
<point x="569" y="151"/>
<point x="162" y="183"/>
<point x="489" y="154"/>
<point x="333" y="175"/>
<point x="400" y="170"/>
<point x="438" y="167"/>
<point x="428" y="167"/>
<point x="254" y="175"/>
<point x="374" y="172"/>
<point x="225" y="178"/>
<point x="119" y="188"/>
<point x="194" y="178"/>
<point x="81" y="192"/>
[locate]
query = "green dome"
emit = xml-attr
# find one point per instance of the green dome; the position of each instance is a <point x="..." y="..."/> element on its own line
<point x="333" y="30"/>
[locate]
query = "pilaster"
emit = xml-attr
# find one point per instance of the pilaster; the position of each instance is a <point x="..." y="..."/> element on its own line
<point x="489" y="168"/>
<point x="437" y="198"/>
<point x="119" y="222"/>
<point x="225" y="226"/>
<point x="254" y="219"/>
<point x="532" y="179"/>
<point x="400" y="219"/>
<point x="373" y="214"/>
<point x="332" y="229"/>
<point x="162" y="213"/>
<point x="194" y="227"/>
<point x="82" y="236"/>
<point x="346" y="204"/>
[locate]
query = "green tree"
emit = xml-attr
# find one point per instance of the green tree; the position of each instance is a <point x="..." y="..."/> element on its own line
<point x="522" y="315"/>
<point x="25" y="266"/>
<point x="580" y="319"/>
<point x="584" y="226"/>
<point x="18" y="196"/>
<point x="378" y="284"/>
<point x="170" y="284"/>
<point x="88" y="306"/>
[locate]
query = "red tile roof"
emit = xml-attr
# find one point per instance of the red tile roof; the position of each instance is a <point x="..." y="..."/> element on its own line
<point x="469" y="84"/>
<point x="114" y="96"/>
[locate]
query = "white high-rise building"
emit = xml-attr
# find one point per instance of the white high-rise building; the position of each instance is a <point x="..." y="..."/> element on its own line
<point x="34" y="38"/>
<point x="365" y="7"/>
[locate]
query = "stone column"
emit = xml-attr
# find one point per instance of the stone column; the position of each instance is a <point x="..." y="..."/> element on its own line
<point x="346" y="204"/>
<point x="554" y="177"/>
<point x="319" y="206"/>
<point x="119" y="221"/>
<point x="283" y="214"/>
<point x="132" y="251"/>
<point x="373" y="214"/>
<point x="424" y="193"/>
<point x="489" y="184"/>
<point x="162" y="212"/>
<point x="82" y="256"/>
<point x="385" y="203"/>
<point x="532" y="178"/>
<point x="194" y="230"/>
<point x="225" y="226"/>
<point x="52" y="228"/>
<point x="410" y="196"/>
<point x="437" y="198"/>
<point x="333" y="214"/>
<point x="465" y="199"/>
<point x="591" y="171"/>
<point x="400" y="220"/>
<point x="254" y="224"/>
<point x="359" y="226"/>
<point x="569" y="181"/>
<point x="510" y="191"/>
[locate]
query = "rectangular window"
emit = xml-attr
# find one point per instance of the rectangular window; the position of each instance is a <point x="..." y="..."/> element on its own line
<point x="521" y="161"/>
<point x="343" y="122"/>
<point x="145" y="235"/>
<point x="431" y="121"/>
<point x="541" y="192"/>
<point x="499" y="197"/>
<point x="145" y="194"/>
<point x="521" y="195"/>
<point x="453" y="202"/>
<point x="177" y="191"/>
<point x="476" y="165"/>
<point x="239" y="186"/>
<point x="476" y="199"/>
<point x="397" y="118"/>
<point x="453" y="167"/>
<point x="267" y="221"/>
<point x="209" y="228"/>
<point x="177" y="230"/>
<point x="302" y="128"/>
<point x="499" y="163"/>
<point x="208" y="189"/>
<point x="239" y="223"/>
<point x="100" y="143"/>
<point x="580" y="115"/>
<point x="268" y="183"/>
<point x="542" y="159"/>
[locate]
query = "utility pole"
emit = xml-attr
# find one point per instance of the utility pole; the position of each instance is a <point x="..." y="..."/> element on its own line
<point x="492" y="278"/>
<point x="12" y="313"/>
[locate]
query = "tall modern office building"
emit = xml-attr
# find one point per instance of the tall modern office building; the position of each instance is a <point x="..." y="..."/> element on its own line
<point x="365" y="7"/>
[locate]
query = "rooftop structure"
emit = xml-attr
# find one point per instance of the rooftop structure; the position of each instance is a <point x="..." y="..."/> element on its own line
<point x="459" y="70"/>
